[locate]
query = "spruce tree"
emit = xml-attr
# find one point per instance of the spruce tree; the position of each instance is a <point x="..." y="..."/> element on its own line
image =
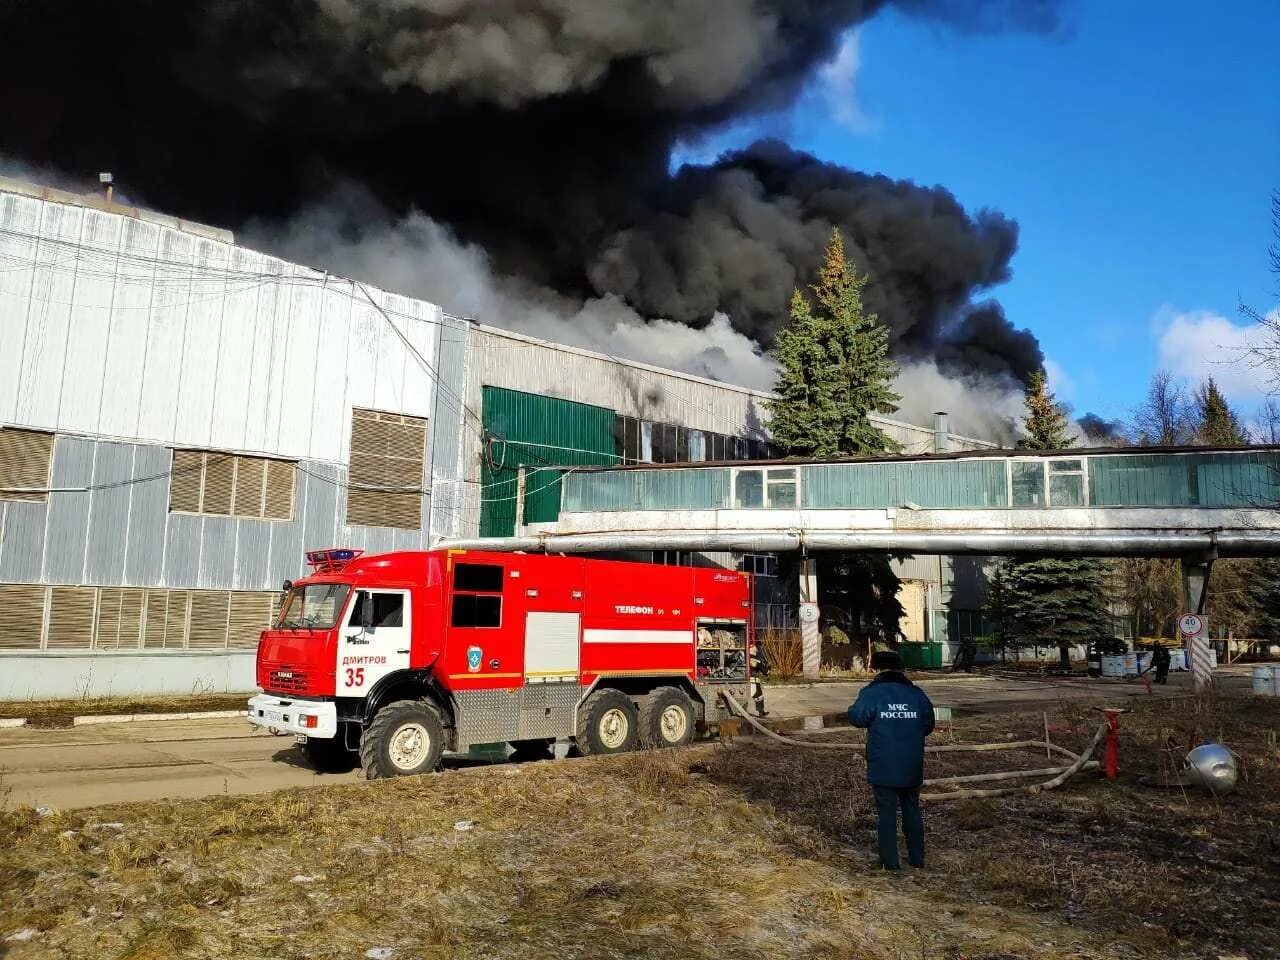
<point x="834" y="368"/>
<point x="1052" y="601"/>
<point x="834" y="372"/>
<point x="1219" y="426"/>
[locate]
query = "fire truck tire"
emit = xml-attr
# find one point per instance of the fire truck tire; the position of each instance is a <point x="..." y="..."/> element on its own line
<point x="607" y="723"/>
<point x="406" y="737"/>
<point x="666" y="719"/>
<point x="330" y="754"/>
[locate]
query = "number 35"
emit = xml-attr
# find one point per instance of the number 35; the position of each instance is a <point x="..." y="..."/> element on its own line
<point x="355" y="677"/>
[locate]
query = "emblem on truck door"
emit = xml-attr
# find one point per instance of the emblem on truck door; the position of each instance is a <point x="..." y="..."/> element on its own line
<point x="474" y="657"/>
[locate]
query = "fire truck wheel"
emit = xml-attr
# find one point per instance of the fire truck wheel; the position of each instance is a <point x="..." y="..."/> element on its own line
<point x="405" y="737"/>
<point x="666" y="719"/>
<point x="330" y="754"/>
<point x="607" y="723"/>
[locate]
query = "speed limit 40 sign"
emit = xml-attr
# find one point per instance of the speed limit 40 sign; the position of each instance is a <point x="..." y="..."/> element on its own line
<point x="1191" y="624"/>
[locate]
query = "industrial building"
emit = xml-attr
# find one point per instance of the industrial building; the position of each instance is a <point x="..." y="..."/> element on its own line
<point x="181" y="418"/>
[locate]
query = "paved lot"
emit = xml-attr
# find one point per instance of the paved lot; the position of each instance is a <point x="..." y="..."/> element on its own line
<point x="85" y="766"/>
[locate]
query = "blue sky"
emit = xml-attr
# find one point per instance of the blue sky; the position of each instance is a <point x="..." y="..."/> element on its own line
<point x="1138" y="153"/>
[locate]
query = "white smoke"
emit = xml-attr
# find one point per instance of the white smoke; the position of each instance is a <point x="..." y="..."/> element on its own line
<point x="977" y="407"/>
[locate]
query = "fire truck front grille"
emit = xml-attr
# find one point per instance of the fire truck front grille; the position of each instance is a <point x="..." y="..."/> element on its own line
<point x="293" y="680"/>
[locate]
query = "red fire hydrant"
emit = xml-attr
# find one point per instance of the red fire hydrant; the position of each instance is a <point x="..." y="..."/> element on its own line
<point x="1111" y="761"/>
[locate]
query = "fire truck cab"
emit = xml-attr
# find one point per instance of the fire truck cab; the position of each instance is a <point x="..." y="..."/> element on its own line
<point x="396" y="658"/>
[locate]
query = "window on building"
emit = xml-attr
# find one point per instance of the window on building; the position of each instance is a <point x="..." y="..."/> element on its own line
<point x="1066" y="483"/>
<point x="673" y="558"/>
<point x="774" y="488"/>
<point x="697" y="445"/>
<point x="231" y="485"/>
<point x="782" y="488"/>
<point x="748" y="489"/>
<point x="1027" y="482"/>
<point x="24" y="464"/>
<point x="759" y="564"/>
<point x="388" y="452"/>
<point x="477" y="595"/>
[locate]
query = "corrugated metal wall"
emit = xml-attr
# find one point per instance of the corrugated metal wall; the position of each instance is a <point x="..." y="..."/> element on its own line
<point x="536" y="431"/>
<point x="123" y="328"/>
<point x="120" y="531"/>
<point x="127" y="337"/>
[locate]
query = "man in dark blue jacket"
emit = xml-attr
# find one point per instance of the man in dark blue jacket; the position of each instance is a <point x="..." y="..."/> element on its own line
<point x="898" y="716"/>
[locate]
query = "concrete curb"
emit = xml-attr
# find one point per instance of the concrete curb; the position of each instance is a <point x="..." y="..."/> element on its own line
<point x="139" y="717"/>
<point x="10" y="722"/>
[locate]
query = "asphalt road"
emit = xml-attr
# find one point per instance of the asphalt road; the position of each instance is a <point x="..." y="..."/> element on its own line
<point x="110" y="763"/>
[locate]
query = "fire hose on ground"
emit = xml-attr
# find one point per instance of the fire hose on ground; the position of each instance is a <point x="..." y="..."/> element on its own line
<point x="1059" y="775"/>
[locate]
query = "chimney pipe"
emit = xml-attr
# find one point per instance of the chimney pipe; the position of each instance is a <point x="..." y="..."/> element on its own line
<point x="941" y="432"/>
<point x="108" y="185"/>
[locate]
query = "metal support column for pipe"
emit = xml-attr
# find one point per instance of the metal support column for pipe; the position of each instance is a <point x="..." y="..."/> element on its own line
<point x="810" y="637"/>
<point x="1195" y="590"/>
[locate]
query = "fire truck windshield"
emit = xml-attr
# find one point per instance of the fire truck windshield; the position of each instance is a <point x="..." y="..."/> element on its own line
<point x="313" y="607"/>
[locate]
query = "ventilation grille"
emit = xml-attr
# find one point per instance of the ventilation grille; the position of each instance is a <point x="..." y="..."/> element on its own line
<point x="227" y="484"/>
<point x="24" y="465"/>
<point x="23" y="606"/>
<point x="126" y="618"/>
<point x="387" y="468"/>
<point x="71" y="616"/>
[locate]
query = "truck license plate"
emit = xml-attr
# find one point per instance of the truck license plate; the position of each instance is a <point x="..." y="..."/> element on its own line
<point x="274" y="716"/>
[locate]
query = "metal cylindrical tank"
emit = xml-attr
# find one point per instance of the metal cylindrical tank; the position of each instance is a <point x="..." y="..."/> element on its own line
<point x="1130" y="664"/>
<point x="1264" y="681"/>
<point x="1112" y="666"/>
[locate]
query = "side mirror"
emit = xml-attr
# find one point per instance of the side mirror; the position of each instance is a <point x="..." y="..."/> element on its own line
<point x="286" y="586"/>
<point x="366" y="613"/>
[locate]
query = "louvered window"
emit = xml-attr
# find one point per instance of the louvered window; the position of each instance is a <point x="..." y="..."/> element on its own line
<point x="119" y="618"/>
<point x="71" y="616"/>
<point x="24" y="464"/>
<point x="124" y="618"/>
<point x="250" y="615"/>
<point x="231" y="485"/>
<point x="23" y="605"/>
<point x="387" y="466"/>
<point x="209" y="611"/>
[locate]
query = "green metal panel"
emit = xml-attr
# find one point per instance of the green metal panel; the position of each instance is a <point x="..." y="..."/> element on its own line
<point x="537" y="432"/>
<point x="1185" y="480"/>
<point x="953" y="483"/>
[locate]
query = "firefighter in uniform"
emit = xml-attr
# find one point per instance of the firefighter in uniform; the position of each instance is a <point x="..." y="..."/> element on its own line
<point x="898" y="716"/>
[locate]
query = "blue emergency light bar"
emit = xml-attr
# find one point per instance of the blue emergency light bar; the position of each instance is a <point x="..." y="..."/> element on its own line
<point x="332" y="558"/>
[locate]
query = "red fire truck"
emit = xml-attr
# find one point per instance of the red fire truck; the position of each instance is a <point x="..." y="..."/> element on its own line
<point x="399" y="657"/>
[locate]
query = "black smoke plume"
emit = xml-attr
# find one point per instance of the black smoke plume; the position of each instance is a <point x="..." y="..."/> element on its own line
<point x="540" y="130"/>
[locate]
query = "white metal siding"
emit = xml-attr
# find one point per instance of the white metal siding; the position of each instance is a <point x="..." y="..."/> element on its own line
<point x="119" y="327"/>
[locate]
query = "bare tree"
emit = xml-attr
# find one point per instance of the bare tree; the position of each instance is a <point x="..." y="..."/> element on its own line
<point x="1268" y="425"/>
<point x="1266" y="351"/>
<point x="1166" y="416"/>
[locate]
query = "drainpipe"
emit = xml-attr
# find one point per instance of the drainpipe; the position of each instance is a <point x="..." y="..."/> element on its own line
<point x="520" y="490"/>
<point x="941" y="432"/>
